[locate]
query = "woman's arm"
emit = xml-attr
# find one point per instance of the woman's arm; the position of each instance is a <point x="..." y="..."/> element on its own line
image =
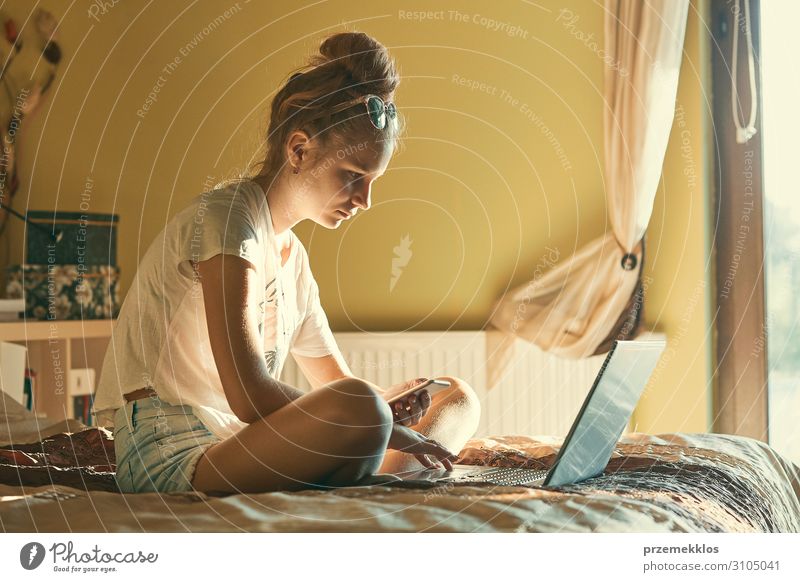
<point x="231" y="295"/>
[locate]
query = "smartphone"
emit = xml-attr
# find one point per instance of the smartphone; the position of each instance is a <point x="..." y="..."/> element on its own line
<point x="432" y="386"/>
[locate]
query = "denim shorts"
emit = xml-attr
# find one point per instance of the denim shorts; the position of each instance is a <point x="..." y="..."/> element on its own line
<point x="157" y="446"/>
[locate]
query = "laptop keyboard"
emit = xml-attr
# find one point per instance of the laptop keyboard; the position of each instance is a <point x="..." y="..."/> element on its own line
<point x="505" y="476"/>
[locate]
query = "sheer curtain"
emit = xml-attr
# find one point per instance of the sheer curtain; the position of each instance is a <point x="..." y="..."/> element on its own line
<point x="571" y="309"/>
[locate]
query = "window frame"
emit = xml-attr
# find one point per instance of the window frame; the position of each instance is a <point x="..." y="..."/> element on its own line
<point x="740" y="394"/>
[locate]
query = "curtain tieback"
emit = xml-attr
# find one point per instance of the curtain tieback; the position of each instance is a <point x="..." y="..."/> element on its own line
<point x="629" y="262"/>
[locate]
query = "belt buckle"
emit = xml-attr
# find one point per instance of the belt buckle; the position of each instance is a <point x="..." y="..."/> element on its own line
<point x="147" y="392"/>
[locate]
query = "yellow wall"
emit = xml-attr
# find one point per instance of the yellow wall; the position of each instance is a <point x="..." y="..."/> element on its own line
<point x="679" y="267"/>
<point x="488" y="178"/>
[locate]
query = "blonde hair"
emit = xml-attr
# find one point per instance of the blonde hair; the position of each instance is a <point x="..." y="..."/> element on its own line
<point x="348" y="65"/>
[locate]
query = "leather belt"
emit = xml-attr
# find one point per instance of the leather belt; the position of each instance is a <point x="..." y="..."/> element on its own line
<point x="139" y="394"/>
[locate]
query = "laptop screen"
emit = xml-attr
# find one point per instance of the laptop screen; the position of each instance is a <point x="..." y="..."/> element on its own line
<point x="605" y="412"/>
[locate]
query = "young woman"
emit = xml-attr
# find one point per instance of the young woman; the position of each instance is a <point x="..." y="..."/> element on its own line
<point x="189" y="381"/>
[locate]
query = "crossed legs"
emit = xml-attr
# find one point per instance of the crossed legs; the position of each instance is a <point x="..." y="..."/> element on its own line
<point x="334" y="436"/>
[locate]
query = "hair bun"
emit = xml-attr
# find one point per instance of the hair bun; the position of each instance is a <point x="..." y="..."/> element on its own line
<point x="364" y="59"/>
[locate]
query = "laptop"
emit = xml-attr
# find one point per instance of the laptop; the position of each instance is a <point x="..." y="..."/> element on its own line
<point x="588" y="446"/>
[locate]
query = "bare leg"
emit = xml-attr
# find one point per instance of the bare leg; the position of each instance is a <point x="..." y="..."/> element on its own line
<point x="335" y="436"/>
<point x="451" y="420"/>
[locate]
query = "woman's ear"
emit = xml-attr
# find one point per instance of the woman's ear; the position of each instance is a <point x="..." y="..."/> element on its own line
<point x="296" y="149"/>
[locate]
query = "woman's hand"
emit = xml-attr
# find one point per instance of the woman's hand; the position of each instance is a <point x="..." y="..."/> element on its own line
<point x="410" y="441"/>
<point x="409" y="410"/>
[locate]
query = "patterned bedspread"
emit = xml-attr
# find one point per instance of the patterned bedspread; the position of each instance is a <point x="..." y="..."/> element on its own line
<point x="669" y="482"/>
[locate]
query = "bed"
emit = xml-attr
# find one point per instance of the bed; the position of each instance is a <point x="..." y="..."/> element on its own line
<point x="59" y="477"/>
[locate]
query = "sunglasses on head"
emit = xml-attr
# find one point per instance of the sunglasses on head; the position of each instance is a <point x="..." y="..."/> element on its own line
<point x="376" y="108"/>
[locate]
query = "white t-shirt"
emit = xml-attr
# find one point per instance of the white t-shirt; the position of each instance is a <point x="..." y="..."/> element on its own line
<point x="161" y="336"/>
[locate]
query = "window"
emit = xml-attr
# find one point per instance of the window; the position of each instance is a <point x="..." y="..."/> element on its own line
<point x="780" y="96"/>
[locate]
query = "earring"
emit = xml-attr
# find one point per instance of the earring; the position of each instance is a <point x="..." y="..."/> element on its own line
<point x="296" y="170"/>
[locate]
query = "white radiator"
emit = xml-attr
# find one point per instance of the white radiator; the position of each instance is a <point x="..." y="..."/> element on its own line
<point x="540" y="395"/>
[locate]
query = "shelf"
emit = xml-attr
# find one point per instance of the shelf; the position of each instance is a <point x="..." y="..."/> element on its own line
<point x="36" y="330"/>
<point x="55" y="347"/>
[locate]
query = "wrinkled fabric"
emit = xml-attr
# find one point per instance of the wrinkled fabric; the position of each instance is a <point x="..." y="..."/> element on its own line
<point x="653" y="483"/>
